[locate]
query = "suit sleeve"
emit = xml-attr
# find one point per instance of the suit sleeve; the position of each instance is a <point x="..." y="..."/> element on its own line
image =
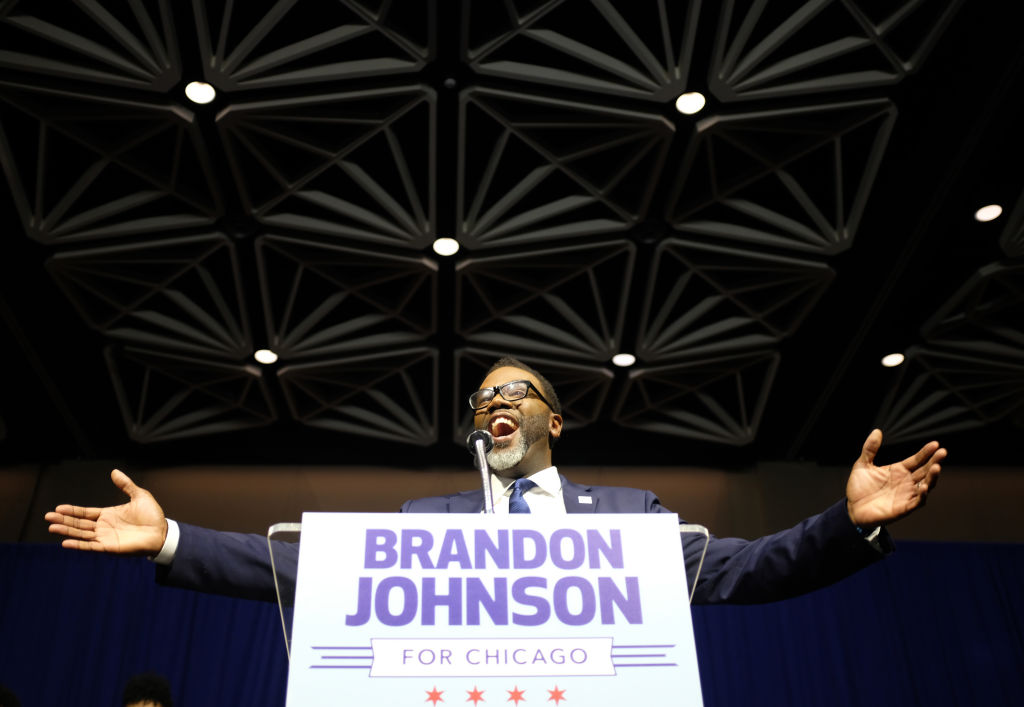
<point x="234" y="564"/>
<point x="814" y="553"/>
<point x="238" y="564"/>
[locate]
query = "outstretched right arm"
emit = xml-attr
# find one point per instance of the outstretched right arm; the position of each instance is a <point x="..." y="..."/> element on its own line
<point x="233" y="564"/>
<point x="137" y="527"/>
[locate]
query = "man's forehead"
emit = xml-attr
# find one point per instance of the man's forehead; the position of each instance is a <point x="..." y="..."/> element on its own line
<point x="500" y="376"/>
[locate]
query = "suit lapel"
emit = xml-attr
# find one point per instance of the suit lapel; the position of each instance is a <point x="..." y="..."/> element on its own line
<point x="575" y="497"/>
<point x="467" y="502"/>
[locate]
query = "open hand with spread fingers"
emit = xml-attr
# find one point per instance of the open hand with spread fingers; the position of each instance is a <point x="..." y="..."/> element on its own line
<point x="137" y="527"/>
<point x="878" y="495"/>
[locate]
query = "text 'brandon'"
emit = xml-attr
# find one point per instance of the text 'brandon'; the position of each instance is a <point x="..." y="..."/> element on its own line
<point x="505" y="597"/>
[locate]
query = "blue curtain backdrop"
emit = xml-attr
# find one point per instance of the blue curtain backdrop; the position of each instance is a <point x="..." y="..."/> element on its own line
<point x="935" y="624"/>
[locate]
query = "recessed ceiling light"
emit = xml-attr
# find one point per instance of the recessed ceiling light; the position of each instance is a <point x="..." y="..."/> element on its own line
<point x="199" y="92"/>
<point x="265" y="356"/>
<point x="893" y="360"/>
<point x="623" y="360"/>
<point x="690" y="103"/>
<point x="446" y="246"/>
<point x="988" y="213"/>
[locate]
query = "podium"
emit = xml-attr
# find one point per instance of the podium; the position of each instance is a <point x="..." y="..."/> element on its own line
<point x="411" y="608"/>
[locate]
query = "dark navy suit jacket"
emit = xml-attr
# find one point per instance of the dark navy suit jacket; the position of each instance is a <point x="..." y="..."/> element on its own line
<point x="812" y="554"/>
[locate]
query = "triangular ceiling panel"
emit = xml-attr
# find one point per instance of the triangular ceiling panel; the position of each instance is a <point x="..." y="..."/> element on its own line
<point x="127" y="45"/>
<point x="569" y="302"/>
<point x="719" y="400"/>
<point x="355" y="165"/>
<point x="321" y="299"/>
<point x="984" y="316"/>
<point x="184" y="294"/>
<point x="771" y="50"/>
<point x="971" y="370"/>
<point x="83" y="149"/>
<point x="704" y="299"/>
<point x="530" y="168"/>
<point x="994" y="388"/>
<point x="263" y="44"/>
<point x="640" y="50"/>
<point x="165" y="397"/>
<point x="797" y="179"/>
<point x="391" y="396"/>
<point x="941" y="391"/>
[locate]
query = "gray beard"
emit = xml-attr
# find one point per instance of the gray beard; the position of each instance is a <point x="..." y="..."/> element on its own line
<point x="509" y="456"/>
<point x="532" y="429"/>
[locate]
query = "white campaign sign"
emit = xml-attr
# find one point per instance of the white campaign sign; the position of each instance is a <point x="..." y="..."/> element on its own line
<point x="407" y="609"/>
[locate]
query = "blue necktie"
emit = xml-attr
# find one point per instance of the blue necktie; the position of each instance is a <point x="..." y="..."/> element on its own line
<point x="516" y="502"/>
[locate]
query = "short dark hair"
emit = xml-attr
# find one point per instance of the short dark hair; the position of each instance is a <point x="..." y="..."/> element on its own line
<point x="148" y="687"/>
<point x="547" y="390"/>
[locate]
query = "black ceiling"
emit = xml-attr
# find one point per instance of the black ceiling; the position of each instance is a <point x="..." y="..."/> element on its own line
<point x="759" y="257"/>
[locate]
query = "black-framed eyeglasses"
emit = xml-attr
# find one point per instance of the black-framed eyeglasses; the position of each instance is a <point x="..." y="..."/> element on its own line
<point x="511" y="391"/>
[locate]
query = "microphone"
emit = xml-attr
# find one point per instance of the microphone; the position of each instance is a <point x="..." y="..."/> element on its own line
<point x="479" y="442"/>
<point x="482" y="436"/>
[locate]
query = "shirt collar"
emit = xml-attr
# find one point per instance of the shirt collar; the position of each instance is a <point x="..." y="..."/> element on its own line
<point x="548" y="481"/>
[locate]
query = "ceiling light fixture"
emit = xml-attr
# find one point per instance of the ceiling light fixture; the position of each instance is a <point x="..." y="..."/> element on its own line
<point x="200" y="92"/>
<point x="446" y="246"/>
<point x="690" y="103"/>
<point x="623" y="360"/>
<point x="988" y="213"/>
<point x="893" y="360"/>
<point x="265" y="356"/>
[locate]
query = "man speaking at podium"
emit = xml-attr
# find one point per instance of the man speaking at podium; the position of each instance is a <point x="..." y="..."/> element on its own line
<point x="520" y="409"/>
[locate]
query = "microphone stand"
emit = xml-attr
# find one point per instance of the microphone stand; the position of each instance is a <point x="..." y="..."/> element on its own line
<point x="479" y="443"/>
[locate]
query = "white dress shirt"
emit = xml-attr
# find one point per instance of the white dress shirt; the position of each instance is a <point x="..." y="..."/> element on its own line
<point x="544" y="498"/>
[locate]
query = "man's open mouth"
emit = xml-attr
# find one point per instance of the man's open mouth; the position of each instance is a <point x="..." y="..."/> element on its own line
<point x="502" y="427"/>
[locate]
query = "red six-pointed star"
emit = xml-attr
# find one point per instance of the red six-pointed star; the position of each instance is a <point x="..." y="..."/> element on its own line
<point x="434" y="696"/>
<point x="556" y="695"/>
<point x="475" y="696"/>
<point x="515" y="695"/>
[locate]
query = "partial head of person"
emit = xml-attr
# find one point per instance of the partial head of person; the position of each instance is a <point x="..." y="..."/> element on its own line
<point x="521" y="410"/>
<point x="8" y="698"/>
<point x="147" y="690"/>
